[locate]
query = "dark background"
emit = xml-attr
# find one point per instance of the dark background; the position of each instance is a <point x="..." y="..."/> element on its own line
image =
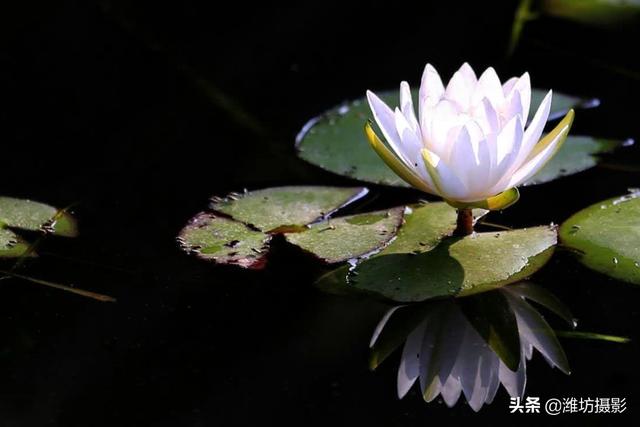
<point x="139" y="112"/>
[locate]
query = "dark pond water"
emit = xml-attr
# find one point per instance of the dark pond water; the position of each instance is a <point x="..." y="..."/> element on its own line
<point x="140" y="113"/>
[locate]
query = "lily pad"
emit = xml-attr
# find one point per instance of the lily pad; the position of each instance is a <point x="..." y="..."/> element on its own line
<point x="425" y="226"/>
<point x="240" y="227"/>
<point x="225" y="241"/>
<point x="578" y="154"/>
<point x="456" y="267"/>
<point x="335" y="141"/>
<point x="35" y="216"/>
<point x="286" y="207"/>
<point x="11" y="245"/>
<point x="340" y="239"/>
<point x="607" y="237"/>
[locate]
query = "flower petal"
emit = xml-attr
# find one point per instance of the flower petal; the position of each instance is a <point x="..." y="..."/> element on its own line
<point x="469" y="75"/>
<point x="401" y="169"/>
<point x="461" y="87"/>
<point x="451" y="390"/>
<point x="509" y="140"/>
<point x="514" y="382"/>
<point x="489" y="87"/>
<point x="409" y="369"/>
<point x="470" y="159"/>
<point x="543" y="297"/>
<point x="509" y="146"/>
<point x="386" y="120"/>
<point x="381" y="324"/>
<point x="537" y="331"/>
<point x="441" y="127"/>
<point x="534" y="130"/>
<point x="513" y="107"/>
<point x="523" y="88"/>
<point x="494" y="383"/>
<point x="487" y="117"/>
<point x="544" y="151"/>
<point x="445" y="181"/>
<point x="431" y="87"/>
<point x="440" y="348"/>
<point x="406" y="106"/>
<point x="508" y="86"/>
<point x="410" y="141"/>
<point x="487" y="362"/>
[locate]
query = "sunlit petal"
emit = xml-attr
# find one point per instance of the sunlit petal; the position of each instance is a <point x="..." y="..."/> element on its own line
<point x="406" y="106"/>
<point x="544" y="151"/>
<point x="431" y="87"/>
<point x="446" y="182"/>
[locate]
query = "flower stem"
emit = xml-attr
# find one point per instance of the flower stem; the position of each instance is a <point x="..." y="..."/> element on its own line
<point x="464" y="225"/>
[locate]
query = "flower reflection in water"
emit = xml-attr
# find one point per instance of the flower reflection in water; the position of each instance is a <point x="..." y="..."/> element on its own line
<point x="445" y="352"/>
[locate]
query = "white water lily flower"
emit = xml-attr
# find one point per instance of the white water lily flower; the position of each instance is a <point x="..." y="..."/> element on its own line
<point x="448" y="357"/>
<point x="468" y="144"/>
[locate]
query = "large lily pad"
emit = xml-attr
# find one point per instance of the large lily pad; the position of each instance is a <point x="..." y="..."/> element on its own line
<point x="607" y="237"/>
<point x="335" y="141"/>
<point x="35" y="216"/>
<point x="286" y="207"/>
<point x="340" y="239"/>
<point x="11" y="245"/>
<point x="456" y="267"/>
<point x="224" y="241"/>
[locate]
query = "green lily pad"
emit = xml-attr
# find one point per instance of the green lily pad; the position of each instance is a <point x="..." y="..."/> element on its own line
<point x="284" y="207"/>
<point x="240" y="228"/>
<point x="340" y="239"/>
<point x="35" y="216"/>
<point x="335" y="141"/>
<point x="456" y="267"/>
<point x="607" y="237"/>
<point x="11" y="245"/>
<point x="578" y="154"/>
<point x="425" y="225"/>
<point x="225" y="241"/>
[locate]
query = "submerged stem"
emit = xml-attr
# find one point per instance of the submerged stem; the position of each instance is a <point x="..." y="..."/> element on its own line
<point x="464" y="224"/>
<point x="77" y="291"/>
